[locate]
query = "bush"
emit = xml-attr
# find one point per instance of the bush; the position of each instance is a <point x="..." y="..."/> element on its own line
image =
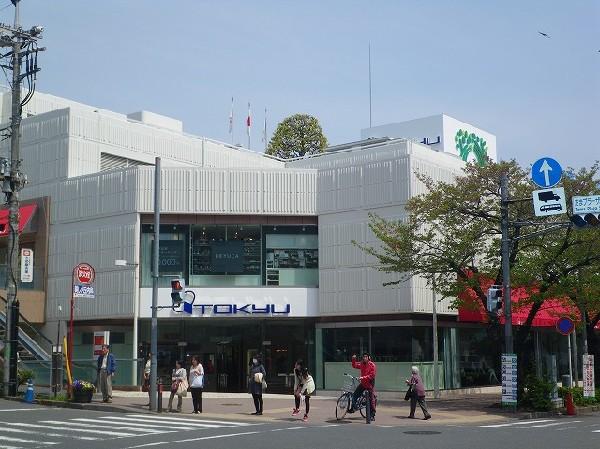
<point x="23" y="375"/>
<point x="536" y="394"/>
<point x="578" y="398"/>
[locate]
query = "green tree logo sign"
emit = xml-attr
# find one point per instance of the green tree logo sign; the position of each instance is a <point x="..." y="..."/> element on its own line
<point x="467" y="143"/>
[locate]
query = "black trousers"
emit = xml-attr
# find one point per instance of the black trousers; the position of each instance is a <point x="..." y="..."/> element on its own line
<point x="307" y="403"/>
<point x="197" y="398"/>
<point x="258" y="402"/>
<point x="358" y="393"/>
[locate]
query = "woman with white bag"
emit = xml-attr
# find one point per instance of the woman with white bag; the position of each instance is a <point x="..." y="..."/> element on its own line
<point x="179" y="386"/>
<point x="257" y="382"/>
<point x="196" y="384"/>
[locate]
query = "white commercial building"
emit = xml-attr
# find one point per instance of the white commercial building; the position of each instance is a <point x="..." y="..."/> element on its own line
<point x="265" y="245"/>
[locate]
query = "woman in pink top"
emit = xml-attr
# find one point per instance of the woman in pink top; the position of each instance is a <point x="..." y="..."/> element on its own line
<point x="418" y="394"/>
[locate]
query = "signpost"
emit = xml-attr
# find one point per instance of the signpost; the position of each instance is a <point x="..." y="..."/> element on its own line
<point x="82" y="286"/>
<point x="589" y="388"/>
<point x="546" y="172"/>
<point x="586" y="204"/>
<point x="509" y="380"/>
<point x="565" y="325"/>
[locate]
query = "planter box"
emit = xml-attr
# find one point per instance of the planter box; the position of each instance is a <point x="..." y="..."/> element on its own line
<point x="82" y="396"/>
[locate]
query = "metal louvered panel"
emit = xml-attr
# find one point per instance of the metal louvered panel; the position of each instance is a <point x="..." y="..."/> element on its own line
<point x="110" y="162"/>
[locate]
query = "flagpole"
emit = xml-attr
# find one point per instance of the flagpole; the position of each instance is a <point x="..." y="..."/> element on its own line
<point x="231" y="121"/>
<point x="248" y="124"/>
<point x="370" y="103"/>
<point x="265" y="130"/>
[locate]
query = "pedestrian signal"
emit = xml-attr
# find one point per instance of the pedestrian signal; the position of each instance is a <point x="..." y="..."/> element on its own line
<point x="177" y="291"/>
<point x="494" y="298"/>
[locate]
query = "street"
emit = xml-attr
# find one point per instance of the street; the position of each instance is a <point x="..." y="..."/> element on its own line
<point x="31" y="426"/>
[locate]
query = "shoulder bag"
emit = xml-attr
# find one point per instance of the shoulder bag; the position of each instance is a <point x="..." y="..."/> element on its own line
<point x="408" y="394"/>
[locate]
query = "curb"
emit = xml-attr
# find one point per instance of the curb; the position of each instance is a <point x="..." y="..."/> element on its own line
<point x="80" y="406"/>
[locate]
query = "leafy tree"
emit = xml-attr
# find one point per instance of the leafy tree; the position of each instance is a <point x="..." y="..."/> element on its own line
<point x="296" y="136"/>
<point x="452" y="235"/>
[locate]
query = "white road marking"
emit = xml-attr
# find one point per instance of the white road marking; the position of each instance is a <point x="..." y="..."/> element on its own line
<point x="23" y="409"/>
<point x="11" y="447"/>
<point x="330" y="425"/>
<point x="556" y="424"/>
<point x="116" y="426"/>
<point x="133" y="425"/>
<point x="212" y="437"/>
<point x="519" y="423"/>
<point x="20" y="440"/>
<point x="148" y="444"/>
<point x="103" y="432"/>
<point x="9" y="430"/>
<point x="192" y="420"/>
<point x="294" y="428"/>
<point x="172" y="423"/>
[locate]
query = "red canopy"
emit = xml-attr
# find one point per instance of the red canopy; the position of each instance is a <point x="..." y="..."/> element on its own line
<point x="552" y="309"/>
<point x="25" y="214"/>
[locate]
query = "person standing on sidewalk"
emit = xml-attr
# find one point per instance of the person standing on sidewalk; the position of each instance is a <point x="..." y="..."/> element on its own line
<point x="368" y="372"/>
<point x="256" y="382"/>
<point x="147" y="368"/>
<point x="298" y="384"/>
<point x="178" y="387"/>
<point x="106" y="370"/>
<point x="417" y="394"/>
<point x="196" y="383"/>
<point x="308" y="388"/>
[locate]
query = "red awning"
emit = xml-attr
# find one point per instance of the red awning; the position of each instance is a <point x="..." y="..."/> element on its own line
<point x="552" y="309"/>
<point x="25" y="214"/>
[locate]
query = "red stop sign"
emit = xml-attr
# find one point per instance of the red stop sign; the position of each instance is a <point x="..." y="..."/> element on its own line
<point x="84" y="273"/>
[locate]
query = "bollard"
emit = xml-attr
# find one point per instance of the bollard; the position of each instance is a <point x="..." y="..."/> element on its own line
<point x="368" y="406"/>
<point x="159" y="390"/>
<point x="30" y="393"/>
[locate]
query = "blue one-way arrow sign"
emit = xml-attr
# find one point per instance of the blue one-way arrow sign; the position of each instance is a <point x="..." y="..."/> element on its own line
<point x="546" y="172"/>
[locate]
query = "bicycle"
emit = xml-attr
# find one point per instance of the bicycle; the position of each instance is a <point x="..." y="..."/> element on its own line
<point x="344" y="402"/>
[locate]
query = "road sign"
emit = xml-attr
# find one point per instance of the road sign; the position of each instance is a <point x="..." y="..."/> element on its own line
<point x="26" y="265"/>
<point x="546" y="172"/>
<point x="586" y="204"/>
<point x="565" y="325"/>
<point x="83" y="281"/>
<point x="549" y="202"/>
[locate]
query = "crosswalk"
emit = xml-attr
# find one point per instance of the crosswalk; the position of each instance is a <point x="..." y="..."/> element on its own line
<point x="46" y="432"/>
<point x="547" y="424"/>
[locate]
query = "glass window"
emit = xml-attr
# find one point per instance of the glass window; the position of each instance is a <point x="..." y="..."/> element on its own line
<point x="291" y="255"/>
<point x="173" y="254"/>
<point x="340" y="344"/>
<point x="392" y="344"/>
<point x="478" y="361"/>
<point x="225" y="255"/>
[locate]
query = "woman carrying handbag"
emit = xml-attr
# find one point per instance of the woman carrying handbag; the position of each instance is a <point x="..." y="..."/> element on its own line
<point x="417" y="394"/>
<point x="257" y="382"/>
<point x="196" y="383"/>
<point x="179" y="386"/>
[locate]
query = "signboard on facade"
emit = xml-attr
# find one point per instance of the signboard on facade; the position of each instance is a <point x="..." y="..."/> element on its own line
<point x="100" y="338"/>
<point x="227" y="257"/>
<point x="509" y="379"/>
<point x="171" y="255"/>
<point x="589" y="389"/>
<point x="84" y="277"/>
<point x="26" y="265"/>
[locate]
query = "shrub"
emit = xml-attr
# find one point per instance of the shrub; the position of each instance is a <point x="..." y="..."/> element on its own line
<point x="83" y="385"/>
<point x="23" y="375"/>
<point x="537" y="393"/>
<point x="578" y="398"/>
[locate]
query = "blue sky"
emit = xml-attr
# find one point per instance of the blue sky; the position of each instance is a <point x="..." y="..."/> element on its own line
<point x="479" y="61"/>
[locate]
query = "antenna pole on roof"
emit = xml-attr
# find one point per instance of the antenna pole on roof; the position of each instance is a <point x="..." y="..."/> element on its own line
<point x="370" y="103"/>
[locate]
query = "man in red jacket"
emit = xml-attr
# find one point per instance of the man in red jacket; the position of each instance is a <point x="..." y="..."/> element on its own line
<point x="368" y="371"/>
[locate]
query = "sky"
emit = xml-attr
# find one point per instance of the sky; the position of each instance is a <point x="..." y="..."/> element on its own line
<point x="482" y="62"/>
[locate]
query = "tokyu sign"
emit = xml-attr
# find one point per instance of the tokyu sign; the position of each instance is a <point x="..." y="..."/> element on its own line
<point x="84" y="276"/>
<point x="26" y="265"/>
<point x="586" y="204"/>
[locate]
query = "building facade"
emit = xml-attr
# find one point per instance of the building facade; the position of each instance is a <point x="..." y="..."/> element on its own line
<point x="263" y="246"/>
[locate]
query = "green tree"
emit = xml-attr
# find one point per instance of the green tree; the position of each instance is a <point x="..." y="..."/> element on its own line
<point x="452" y="235"/>
<point x="296" y="136"/>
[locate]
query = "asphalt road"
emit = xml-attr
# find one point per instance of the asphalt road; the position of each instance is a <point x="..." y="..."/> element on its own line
<point x="29" y="426"/>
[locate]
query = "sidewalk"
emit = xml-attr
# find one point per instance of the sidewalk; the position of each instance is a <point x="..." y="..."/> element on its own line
<point x="469" y="409"/>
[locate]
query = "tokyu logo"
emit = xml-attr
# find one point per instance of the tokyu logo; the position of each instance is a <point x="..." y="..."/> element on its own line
<point x="469" y="143"/>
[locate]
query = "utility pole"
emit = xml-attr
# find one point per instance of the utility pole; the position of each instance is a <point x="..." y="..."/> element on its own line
<point x="23" y="44"/>
<point x="436" y="383"/>
<point x="508" y="334"/>
<point x="155" y="278"/>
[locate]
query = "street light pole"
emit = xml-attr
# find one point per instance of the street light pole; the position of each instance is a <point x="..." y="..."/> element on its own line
<point x="436" y="383"/>
<point x="154" y="325"/>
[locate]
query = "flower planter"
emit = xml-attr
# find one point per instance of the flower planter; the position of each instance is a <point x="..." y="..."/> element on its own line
<point x="82" y="396"/>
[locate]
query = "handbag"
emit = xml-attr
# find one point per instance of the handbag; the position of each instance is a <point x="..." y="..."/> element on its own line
<point x="182" y="388"/>
<point x="258" y="378"/>
<point x="146" y="385"/>
<point x="264" y="384"/>
<point x="408" y="394"/>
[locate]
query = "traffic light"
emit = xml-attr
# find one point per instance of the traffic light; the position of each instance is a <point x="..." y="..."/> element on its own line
<point x="177" y="291"/>
<point x="494" y="298"/>
<point x="582" y="221"/>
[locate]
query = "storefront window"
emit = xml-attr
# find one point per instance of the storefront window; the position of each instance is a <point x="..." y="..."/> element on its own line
<point x="478" y="363"/>
<point x="225" y="255"/>
<point x="340" y="344"/>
